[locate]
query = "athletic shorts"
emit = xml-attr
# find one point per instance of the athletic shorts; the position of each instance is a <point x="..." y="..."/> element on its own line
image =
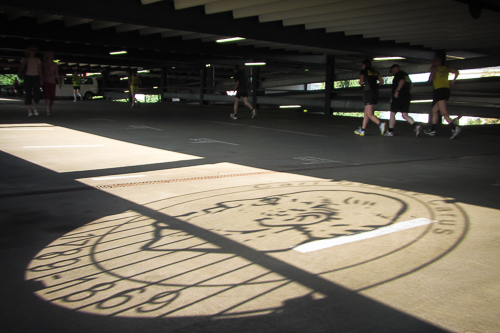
<point x="49" y="91"/>
<point x="240" y="94"/>
<point x="400" y="105"/>
<point x="76" y="87"/>
<point x="440" y="94"/>
<point x="134" y="89"/>
<point x="370" y="97"/>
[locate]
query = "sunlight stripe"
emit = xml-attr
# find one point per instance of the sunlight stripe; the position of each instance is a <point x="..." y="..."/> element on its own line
<point x="64" y="146"/>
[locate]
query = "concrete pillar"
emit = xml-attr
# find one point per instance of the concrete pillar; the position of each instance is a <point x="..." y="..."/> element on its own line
<point x="162" y="83"/>
<point x="329" y="79"/>
<point x="203" y="79"/>
<point x="255" y="85"/>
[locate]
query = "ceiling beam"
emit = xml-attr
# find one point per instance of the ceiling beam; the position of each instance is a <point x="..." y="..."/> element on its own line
<point x="163" y="15"/>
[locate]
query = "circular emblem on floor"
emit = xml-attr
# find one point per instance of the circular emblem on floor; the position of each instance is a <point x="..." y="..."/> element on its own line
<point x="246" y="250"/>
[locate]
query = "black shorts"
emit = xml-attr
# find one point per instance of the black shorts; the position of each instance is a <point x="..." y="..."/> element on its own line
<point x="242" y="93"/>
<point x="76" y="87"/>
<point x="400" y="105"/>
<point x="440" y="95"/>
<point x="370" y="97"/>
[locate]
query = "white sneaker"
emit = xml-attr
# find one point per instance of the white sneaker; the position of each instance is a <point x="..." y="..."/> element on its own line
<point x="418" y="130"/>
<point x="429" y="132"/>
<point x="389" y="133"/>
<point x="455" y="132"/>
<point x="382" y="128"/>
<point x="254" y="113"/>
<point x="360" y="132"/>
<point x="35" y="112"/>
<point x="234" y="116"/>
<point x="132" y="106"/>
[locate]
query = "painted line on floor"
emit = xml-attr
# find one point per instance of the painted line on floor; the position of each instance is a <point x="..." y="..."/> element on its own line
<point x="326" y="243"/>
<point x="270" y="129"/>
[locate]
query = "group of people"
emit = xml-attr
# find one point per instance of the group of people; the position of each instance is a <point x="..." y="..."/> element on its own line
<point x="45" y="74"/>
<point x="370" y="79"/>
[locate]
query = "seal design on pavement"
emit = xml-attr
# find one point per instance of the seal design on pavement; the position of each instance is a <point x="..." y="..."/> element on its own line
<point x="246" y="250"/>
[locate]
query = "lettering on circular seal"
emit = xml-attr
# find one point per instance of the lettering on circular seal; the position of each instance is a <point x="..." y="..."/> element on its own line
<point x="246" y="250"/>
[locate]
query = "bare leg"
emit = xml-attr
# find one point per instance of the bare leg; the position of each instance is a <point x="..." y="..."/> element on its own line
<point x="236" y="101"/>
<point x="392" y="120"/>
<point x="247" y="103"/>
<point x="369" y="116"/>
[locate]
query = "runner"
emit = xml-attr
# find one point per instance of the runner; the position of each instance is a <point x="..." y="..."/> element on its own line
<point x="441" y="93"/>
<point x="400" y="100"/>
<point x="241" y="91"/>
<point x="368" y="78"/>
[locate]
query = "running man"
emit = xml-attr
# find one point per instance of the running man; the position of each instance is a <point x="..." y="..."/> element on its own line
<point x="441" y="93"/>
<point x="368" y="77"/>
<point x="400" y="100"/>
<point x="241" y="91"/>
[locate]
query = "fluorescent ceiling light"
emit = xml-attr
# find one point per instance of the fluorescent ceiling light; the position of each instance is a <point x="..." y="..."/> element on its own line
<point x="289" y="106"/>
<point x="388" y="58"/>
<point x="143" y="71"/>
<point x="117" y="52"/>
<point x="255" y="64"/>
<point x="422" y="101"/>
<point x="453" y="57"/>
<point x="232" y="39"/>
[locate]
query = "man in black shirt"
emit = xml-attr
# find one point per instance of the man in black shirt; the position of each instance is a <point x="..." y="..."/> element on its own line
<point x="400" y="99"/>
<point x="241" y="91"/>
<point x="370" y="79"/>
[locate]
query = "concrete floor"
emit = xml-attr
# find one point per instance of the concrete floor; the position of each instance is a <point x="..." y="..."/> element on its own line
<point x="176" y="218"/>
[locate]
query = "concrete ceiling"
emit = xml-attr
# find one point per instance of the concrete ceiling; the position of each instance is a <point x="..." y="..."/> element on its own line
<point x="291" y="33"/>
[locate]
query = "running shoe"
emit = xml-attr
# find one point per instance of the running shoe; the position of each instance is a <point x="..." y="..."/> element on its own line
<point x="429" y="132"/>
<point x="418" y="130"/>
<point x="360" y="132"/>
<point x="234" y="116"/>
<point x="382" y="128"/>
<point x="35" y="112"/>
<point x="455" y="132"/>
<point x="389" y="133"/>
<point x="254" y="113"/>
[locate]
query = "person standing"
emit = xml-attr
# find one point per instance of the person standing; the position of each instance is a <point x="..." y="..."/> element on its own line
<point x="50" y="76"/>
<point x="17" y="88"/>
<point x="370" y="79"/>
<point x="441" y="93"/>
<point x="135" y="82"/>
<point x="77" y="82"/>
<point x="241" y="91"/>
<point x="400" y="100"/>
<point x="33" y="79"/>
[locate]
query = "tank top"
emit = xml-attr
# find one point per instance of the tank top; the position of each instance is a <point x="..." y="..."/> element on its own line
<point x="441" y="78"/>
<point x="134" y="80"/>
<point x="49" y="72"/>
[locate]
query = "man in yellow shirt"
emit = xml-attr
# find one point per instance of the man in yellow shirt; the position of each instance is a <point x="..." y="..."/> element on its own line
<point x="441" y="93"/>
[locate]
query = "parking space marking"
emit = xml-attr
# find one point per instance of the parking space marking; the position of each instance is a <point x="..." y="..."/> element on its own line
<point x="316" y="160"/>
<point x="205" y="140"/>
<point x="270" y="129"/>
<point x="330" y="242"/>
<point x="135" y="127"/>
